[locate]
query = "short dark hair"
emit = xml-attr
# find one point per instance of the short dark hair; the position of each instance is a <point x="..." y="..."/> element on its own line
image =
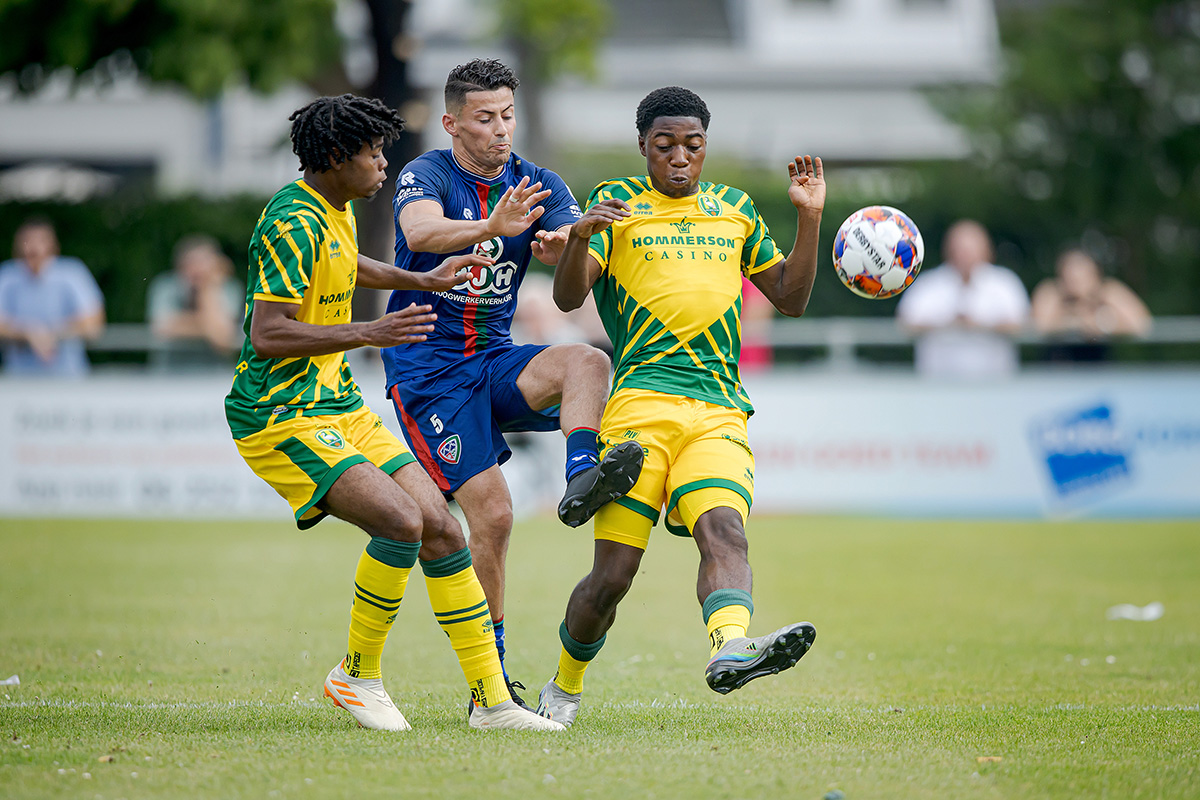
<point x="337" y="127"/>
<point x="480" y="75"/>
<point x="670" y="101"/>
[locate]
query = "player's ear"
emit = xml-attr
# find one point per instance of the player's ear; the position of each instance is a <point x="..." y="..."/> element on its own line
<point x="450" y="124"/>
<point x="642" y="144"/>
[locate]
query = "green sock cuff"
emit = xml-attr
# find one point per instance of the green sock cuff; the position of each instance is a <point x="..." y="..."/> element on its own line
<point x="578" y="650"/>
<point x="726" y="597"/>
<point x="402" y="555"/>
<point x="448" y="565"/>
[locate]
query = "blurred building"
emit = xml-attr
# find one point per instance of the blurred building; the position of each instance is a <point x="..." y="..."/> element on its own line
<point x="837" y="77"/>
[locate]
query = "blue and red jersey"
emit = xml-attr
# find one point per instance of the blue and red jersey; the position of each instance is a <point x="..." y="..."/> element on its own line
<point x="477" y="314"/>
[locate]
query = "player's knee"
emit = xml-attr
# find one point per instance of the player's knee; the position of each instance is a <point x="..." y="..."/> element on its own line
<point x="721" y="535"/>
<point x="590" y="360"/>
<point x="442" y="532"/>
<point x="402" y="525"/>
<point x="609" y="587"/>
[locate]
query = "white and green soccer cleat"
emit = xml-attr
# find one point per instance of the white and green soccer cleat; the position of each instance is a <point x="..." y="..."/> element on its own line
<point x="508" y="716"/>
<point x="560" y="706"/>
<point x="743" y="659"/>
<point x="366" y="700"/>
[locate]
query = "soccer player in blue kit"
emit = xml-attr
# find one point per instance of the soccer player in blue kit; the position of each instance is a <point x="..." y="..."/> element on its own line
<point x="457" y="392"/>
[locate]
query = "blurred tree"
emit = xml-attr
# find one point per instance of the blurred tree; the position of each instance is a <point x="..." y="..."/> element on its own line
<point x="202" y="46"/>
<point x="549" y="39"/>
<point x="1093" y="137"/>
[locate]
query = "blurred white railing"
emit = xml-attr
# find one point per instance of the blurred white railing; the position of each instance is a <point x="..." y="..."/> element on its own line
<point x="839" y="337"/>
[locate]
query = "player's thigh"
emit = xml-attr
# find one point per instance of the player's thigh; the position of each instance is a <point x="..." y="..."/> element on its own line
<point x="367" y="497"/>
<point x="654" y="421"/>
<point x="301" y="459"/>
<point x="715" y="469"/>
<point x="507" y="375"/>
<point x="541" y="381"/>
<point x="450" y="427"/>
<point x="441" y="533"/>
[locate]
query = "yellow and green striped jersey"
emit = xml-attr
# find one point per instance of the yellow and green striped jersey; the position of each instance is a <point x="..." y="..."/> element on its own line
<point x="670" y="291"/>
<point x="303" y="251"/>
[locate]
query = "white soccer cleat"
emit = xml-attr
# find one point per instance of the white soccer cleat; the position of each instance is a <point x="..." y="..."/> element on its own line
<point x="560" y="706"/>
<point x="508" y="716"/>
<point x="366" y="700"/>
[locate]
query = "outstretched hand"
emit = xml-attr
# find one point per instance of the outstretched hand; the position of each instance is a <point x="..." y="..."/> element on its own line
<point x="548" y="246"/>
<point x="453" y="271"/>
<point x="517" y="209"/>
<point x="599" y="217"/>
<point x="406" y="326"/>
<point x="808" y="183"/>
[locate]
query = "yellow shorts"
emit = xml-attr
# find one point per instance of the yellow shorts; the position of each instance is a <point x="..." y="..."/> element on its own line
<point x="697" y="459"/>
<point x="301" y="458"/>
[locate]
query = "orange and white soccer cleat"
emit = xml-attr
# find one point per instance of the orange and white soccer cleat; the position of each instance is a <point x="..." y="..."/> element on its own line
<point x="366" y="700"/>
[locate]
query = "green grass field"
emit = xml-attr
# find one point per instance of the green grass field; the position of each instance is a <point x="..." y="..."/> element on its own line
<point x="954" y="659"/>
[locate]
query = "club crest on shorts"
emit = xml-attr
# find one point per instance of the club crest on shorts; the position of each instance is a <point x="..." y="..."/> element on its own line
<point x="450" y="449"/>
<point x="330" y="438"/>
<point x="709" y="205"/>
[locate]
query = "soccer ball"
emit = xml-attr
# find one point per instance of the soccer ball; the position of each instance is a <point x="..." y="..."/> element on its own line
<point x="878" y="252"/>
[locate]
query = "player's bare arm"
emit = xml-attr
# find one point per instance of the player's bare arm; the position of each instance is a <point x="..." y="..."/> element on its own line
<point x="577" y="269"/>
<point x="788" y="284"/>
<point x="276" y="333"/>
<point x="427" y="229"/>
<point x="374" y="274"/>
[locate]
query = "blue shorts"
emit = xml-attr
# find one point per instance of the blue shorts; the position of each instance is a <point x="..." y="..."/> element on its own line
<point x="455" y="420"/>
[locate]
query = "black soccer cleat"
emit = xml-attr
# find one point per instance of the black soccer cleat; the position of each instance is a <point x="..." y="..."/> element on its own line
<point x="613" y="477"/>
<point x="512" y="691"/>
<point x="742" y="660"/>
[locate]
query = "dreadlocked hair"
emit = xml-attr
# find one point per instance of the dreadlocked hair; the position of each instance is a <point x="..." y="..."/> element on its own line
<point x="331" y="130"/>
<point x="670" y="101"/>
<point x="480" y="75"/>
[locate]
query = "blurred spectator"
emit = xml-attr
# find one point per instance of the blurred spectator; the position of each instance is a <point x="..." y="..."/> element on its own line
<point x="1081" y="309"/>
<point x="757" y="313"/>
<point x="965" y="311"/>
<point x="49" y="304"/>
<point x="537" y="320"/>
<point x="195" y="310"/>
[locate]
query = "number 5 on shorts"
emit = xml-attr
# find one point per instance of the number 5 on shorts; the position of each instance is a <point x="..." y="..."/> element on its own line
<point x="436" y="423"/>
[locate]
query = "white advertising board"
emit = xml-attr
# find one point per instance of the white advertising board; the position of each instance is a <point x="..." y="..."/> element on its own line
<point x="1053" y="444"/>
<point x="1061" y="444"/>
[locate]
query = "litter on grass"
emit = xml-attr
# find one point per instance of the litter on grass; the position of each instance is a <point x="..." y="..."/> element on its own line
<point x="1146" y="613"/>
<point x="11" y="680"/>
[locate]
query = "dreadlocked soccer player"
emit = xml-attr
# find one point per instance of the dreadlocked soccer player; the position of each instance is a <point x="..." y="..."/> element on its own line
<point x="299" y="421"/>
<point x="665" y="254"/>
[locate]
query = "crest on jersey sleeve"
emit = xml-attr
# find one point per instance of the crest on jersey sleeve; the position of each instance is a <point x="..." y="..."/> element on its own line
<point x="450" y="449"/>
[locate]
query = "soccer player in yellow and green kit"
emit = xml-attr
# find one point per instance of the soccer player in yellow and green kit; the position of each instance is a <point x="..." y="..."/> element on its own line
<point x="664" y="254"/>
<point x="298" y="418"/>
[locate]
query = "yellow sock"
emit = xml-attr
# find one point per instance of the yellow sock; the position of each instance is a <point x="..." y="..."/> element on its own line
<point x="727" y="616"/>
<point x="574" y="660"/>
<point x="462" y="610"/>
<point x="726" y="623"/>
<point x="379" y="584"/>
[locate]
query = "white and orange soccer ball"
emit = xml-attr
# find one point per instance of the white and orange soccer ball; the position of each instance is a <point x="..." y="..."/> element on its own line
<point x="878" y="252"/>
